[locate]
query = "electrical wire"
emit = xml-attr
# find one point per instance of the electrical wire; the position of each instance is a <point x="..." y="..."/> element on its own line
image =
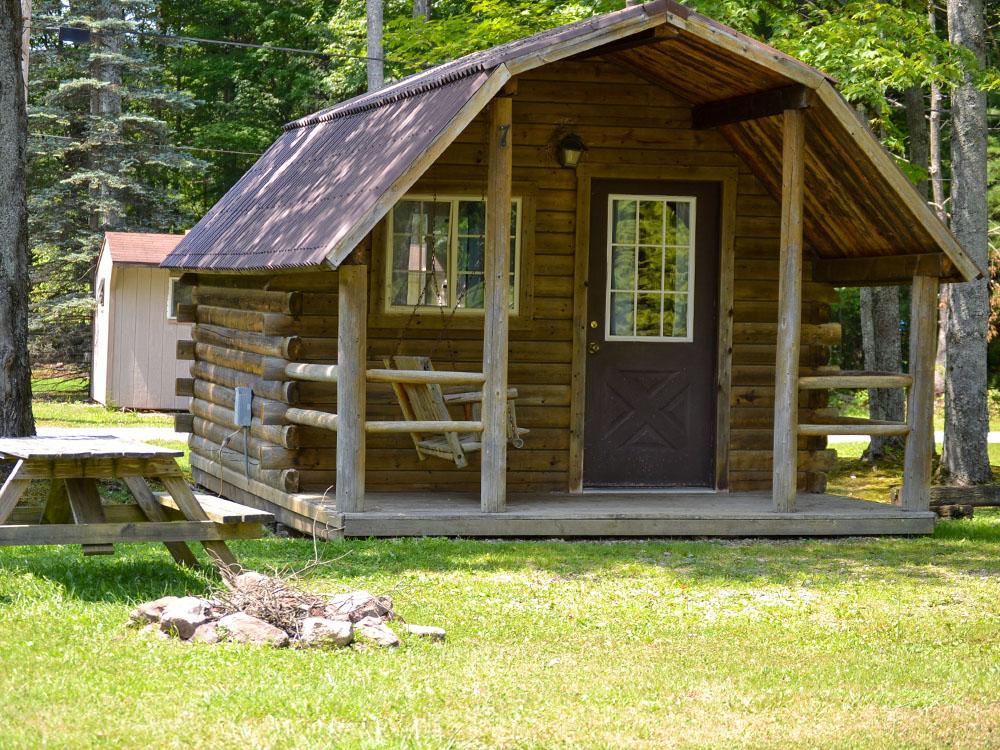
<point x="419" y="65"/>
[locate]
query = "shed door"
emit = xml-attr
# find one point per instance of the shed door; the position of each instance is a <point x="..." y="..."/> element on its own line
<point x="652" y="334"/>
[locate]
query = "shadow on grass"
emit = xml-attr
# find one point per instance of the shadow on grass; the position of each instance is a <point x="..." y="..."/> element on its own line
<point x="143" y="572"/>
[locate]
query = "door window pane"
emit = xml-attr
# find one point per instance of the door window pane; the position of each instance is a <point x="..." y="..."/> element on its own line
<point x="650" y="267"/>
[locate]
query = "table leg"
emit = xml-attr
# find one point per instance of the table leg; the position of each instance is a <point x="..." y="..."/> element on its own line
<point x="12" y="491"/>
<point x="181" y="553"/>
<point x="57" y="508"/>
<point x="85" y="504"/>
<point x="188" y="504"/>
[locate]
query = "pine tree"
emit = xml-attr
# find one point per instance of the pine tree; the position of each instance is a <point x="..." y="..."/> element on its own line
<point x="102" y="159"/>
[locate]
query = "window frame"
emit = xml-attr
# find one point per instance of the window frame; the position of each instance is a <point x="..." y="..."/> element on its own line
<point x="454" y="198"/>
<point x="690" y="293"/>
<point x="175" y="282"/>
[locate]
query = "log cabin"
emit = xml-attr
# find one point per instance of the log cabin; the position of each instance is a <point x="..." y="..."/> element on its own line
<point x="618" y="240"/>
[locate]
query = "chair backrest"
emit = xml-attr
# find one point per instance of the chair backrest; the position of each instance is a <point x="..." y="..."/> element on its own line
<point x="424" y="402"/>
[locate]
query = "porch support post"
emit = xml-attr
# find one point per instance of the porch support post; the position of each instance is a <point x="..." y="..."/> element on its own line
<point x="920" y="410"/>
<point x="493" y="485"/>
<point x="786" y="373"/>
<point x="352" y="346"/>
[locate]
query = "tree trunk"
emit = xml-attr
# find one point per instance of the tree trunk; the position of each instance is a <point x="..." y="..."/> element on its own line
<point x="376" y="68"/>
<point x="937" y="200"/>
<point x="880" y="338"/>
<point x="919" y="133"/>
<point x="422" y="9"/>
<point x="966" y="459"/>
<point x="15" y="371"/>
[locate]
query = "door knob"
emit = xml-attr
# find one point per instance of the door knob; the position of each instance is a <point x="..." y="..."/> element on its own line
<point x="593" y="347"/>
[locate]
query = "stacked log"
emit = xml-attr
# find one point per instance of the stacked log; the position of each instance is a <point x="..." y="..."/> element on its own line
<point x="245" y="334"/>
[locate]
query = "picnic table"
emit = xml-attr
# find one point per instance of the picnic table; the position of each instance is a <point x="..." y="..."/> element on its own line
<point x="75" y="514"/>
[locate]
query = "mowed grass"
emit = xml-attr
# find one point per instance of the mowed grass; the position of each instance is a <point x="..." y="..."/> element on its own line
<point x="57" y="413"/>
<point x="861" y="643"/>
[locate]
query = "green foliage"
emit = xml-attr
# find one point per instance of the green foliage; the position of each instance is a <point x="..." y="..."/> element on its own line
<point x="101" y="159"/>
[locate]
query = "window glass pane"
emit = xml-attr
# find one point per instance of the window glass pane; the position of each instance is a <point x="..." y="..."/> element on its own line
<point x="647" y="315"/>
<point x="675" y="312"/>
<point x="651" y="222"/>
<point x="469" y="290"/>
<point x="471" y="253"/>
<point x="678" y="223"/>
<point x="675" y="276"/>
<point x="650" y="268"/>
<point x="620" y="315"/>
<point x="623" y="221"/>
<point x="420" y="252"/>
<point x="471" y="218"/>
<point x="623" y="268"/>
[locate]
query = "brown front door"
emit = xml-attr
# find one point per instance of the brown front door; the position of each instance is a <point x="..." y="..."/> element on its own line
<point x="652" y="334"/>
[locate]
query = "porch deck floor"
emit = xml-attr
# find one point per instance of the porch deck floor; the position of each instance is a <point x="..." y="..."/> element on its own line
<point x="637" y="514"/>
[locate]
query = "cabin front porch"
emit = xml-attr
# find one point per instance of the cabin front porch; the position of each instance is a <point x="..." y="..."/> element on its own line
<point x="618" y="513"/>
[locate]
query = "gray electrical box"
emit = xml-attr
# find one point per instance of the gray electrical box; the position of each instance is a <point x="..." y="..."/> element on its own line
<point x="244" y="395"/>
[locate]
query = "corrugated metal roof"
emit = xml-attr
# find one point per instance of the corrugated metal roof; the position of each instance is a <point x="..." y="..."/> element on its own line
<point x="140" y="248"/>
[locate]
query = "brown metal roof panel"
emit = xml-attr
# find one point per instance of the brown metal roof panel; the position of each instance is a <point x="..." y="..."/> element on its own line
<point x="315" y="183"/>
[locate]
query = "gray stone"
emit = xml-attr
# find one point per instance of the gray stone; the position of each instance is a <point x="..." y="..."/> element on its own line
<point x="150" y="611"/>
<point x="182" y="617"/>
<point x="153" y="629"/>
<point x="320" y="631"/>
<point x="375" y="630"/>
<point x="243" y="628"/>
<point x="207" y="632"/>
<point x="358" y="605"/>
<point x="426" y="631"/>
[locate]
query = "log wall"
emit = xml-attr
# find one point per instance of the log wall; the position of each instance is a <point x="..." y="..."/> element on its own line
<point x="624" y="121"/>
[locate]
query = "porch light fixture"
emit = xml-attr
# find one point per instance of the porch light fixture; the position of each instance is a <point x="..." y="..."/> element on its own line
<point x="570" y="149"/>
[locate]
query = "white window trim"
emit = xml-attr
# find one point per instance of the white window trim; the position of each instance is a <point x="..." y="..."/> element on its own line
<point x="452" y="274"/>
<point x="608" y="336"/>
<point x="170" y="297"/>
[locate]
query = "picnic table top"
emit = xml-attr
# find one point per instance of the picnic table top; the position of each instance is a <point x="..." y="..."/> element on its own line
<point x="75" y="447"/>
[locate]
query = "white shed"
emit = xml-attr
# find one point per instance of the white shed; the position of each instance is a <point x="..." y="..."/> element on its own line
<point x="135" y="326"/>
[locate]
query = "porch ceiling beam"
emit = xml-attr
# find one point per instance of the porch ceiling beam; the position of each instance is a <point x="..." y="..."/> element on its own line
<point x="889" y="270"/>
<point x="750" y="106"/>
<point x="643" y="38"/>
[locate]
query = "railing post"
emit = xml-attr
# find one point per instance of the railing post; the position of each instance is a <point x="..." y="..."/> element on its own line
<point x="786" y="373"/>
<point x="920" y="411"/>
<point x="493" y="483"/>
<point x="352" y="354"/>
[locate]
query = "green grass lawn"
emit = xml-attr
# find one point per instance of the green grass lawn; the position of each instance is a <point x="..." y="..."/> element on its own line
<point x="54" y="413"/>
<point x="879" y="643"/>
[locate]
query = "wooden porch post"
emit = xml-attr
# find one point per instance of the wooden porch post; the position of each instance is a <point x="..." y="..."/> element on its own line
<point x="493" y="484"/>
<point x="786" y="373"/>
<point x="920" y="411"/>
<point x="352" y="353"/>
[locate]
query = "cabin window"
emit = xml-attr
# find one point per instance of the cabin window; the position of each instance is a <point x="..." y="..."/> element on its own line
<point x="437" y="251"/>
<point x="650" y="268"/>
<point x="178" y="294"/>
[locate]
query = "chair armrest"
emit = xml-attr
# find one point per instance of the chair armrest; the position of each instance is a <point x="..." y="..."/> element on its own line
<point x="474" y="397"/>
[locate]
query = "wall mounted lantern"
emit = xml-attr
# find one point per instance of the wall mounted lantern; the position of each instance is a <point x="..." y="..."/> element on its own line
<point x="570" y="149"/>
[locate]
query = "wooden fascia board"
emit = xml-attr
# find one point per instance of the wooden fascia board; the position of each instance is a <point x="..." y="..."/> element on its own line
<point x="888" y="270"/>
<point x="490" y="88"/>
<point x="967" y="268"/>
<point x="579" y="45"/>
<point x="750" y="106"/>
<point x="742" y="46"/>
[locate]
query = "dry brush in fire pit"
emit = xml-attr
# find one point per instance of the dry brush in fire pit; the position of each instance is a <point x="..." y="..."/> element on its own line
<point x="267" y="610"/>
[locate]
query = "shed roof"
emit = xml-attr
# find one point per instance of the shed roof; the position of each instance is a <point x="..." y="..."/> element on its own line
<point x="331" y="176"/>
<point x="140" y="248"/>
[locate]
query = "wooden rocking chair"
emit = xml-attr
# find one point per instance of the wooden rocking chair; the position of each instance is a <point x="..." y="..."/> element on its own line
<point x="428" y="402"/>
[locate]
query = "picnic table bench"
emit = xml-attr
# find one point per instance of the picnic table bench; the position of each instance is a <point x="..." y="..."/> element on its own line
<point x="74" y="513"/>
